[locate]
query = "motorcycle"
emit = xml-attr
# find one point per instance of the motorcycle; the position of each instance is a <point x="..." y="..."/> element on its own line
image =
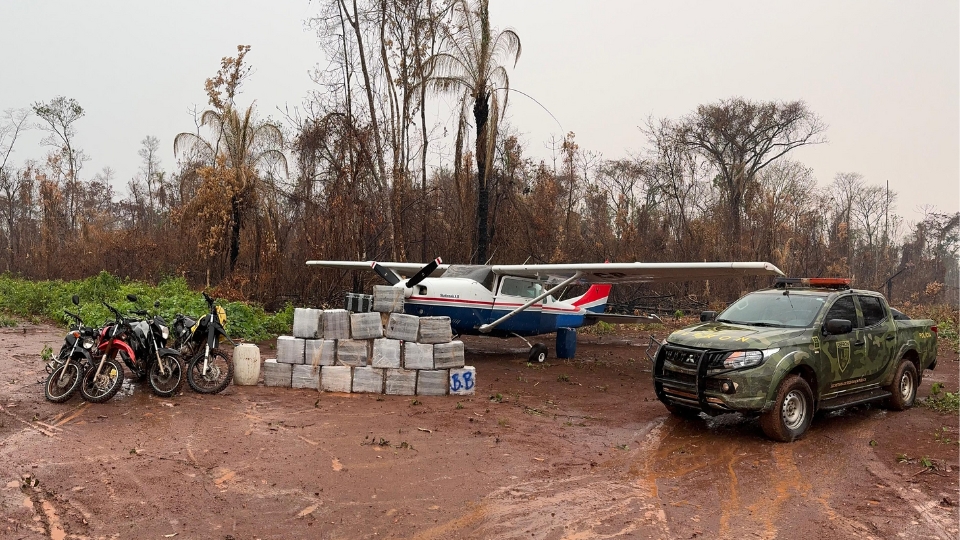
<point x="105" y="377"/>
<point x="209" y="368"/>
<point x="66" y="370"/>
<point x="163" y="366"/>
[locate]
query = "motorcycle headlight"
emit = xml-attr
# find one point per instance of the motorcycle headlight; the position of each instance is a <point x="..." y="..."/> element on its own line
<point x="742" y="359"/>
<point x="164" y="331"/>
<point x="88" y="343"/>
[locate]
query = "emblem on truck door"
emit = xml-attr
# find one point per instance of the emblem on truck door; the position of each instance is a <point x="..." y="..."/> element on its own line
<point x="843" y="354"/>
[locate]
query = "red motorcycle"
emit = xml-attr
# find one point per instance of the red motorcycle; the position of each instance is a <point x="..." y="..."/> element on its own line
<point x="105" y="377"/>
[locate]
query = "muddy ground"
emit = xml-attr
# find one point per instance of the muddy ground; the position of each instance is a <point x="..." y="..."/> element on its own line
<point x="569" y="449"/>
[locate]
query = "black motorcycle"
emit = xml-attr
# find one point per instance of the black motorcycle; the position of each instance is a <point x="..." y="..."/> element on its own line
<point x="66" y="370"/>
<point x="209" y="368"/>
<point x="163" y="367"/>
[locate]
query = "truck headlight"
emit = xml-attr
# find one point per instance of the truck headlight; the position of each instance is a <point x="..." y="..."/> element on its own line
<point x="742" y="359"/>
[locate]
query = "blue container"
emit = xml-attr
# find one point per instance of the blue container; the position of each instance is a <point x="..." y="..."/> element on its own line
<point x="566" y="342"/>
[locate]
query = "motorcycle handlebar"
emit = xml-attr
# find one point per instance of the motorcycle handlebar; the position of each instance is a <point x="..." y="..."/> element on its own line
<point x="75" y="316"/>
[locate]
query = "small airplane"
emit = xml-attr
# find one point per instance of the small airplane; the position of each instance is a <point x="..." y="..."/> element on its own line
<point x="517" y="300"/>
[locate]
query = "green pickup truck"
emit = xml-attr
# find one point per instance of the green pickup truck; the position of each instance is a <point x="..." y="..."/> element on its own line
<point x="784" y="353"/>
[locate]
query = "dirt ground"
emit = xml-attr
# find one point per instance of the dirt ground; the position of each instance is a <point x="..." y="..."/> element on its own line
<point x="575" y="449"/>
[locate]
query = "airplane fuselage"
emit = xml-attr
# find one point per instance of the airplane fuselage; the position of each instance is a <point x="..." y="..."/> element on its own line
<point x="469" y="304"/>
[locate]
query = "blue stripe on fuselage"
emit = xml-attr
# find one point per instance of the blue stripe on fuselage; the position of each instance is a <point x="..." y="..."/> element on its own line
<point x="466" y="320"/>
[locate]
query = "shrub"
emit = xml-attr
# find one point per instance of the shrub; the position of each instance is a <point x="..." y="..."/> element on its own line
<point x="48" y="300"/>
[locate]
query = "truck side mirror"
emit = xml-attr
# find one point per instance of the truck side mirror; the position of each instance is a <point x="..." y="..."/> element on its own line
<point x="707" y="316"/>
<point x="839" y="326"/>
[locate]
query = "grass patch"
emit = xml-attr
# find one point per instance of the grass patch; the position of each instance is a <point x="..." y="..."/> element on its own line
<point x="46" y="300"/>
<point x="7" y="322"/>
<point x="941" y="401"/>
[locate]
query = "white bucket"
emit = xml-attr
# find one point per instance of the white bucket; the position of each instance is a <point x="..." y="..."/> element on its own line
<point x="246" y="365"/>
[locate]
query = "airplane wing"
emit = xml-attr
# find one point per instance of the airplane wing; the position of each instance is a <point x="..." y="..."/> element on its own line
<point x="638" y="272"/>
<point x="404" y="269"/>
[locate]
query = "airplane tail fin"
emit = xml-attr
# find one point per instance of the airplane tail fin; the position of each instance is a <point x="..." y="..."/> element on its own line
<point x="595" y="299"/>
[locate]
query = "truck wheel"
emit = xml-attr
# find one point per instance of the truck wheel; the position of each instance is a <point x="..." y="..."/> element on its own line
<point x="792" y="411"/>
<point x="903" y="389"/>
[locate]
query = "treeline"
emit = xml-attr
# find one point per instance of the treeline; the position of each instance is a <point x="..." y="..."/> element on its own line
<point x="361" y="172"/>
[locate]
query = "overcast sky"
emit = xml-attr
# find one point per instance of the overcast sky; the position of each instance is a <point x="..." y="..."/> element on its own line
<point x="884" y="76"/>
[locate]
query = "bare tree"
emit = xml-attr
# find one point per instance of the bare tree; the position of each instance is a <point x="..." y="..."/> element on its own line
<point x="59" y="116"/>
<point x="742" y="137"/>
<point x="13" y="123"/>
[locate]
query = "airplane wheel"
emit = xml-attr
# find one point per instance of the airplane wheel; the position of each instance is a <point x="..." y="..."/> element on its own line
<point x="538" y="353"/>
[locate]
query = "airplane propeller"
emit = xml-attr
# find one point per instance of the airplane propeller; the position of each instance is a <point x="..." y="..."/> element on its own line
<point x="387" y="274"/>
<point x="424" y="272"/>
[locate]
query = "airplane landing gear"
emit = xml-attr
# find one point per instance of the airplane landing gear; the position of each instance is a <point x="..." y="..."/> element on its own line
<point x="538" y="353"/>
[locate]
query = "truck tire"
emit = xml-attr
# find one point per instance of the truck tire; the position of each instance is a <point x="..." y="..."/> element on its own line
<point x="792" y="411"/>
<point x="903" y="389"/>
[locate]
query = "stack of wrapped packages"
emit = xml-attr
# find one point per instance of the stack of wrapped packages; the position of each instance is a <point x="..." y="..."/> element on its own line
<point x="383" y="352"/>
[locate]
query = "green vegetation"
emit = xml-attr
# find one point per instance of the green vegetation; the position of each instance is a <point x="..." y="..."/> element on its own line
<point x="600" y="329"/>
<point x="48" y="299"/>
<point x="942" y="435"/>
<point x="941" y="401"/>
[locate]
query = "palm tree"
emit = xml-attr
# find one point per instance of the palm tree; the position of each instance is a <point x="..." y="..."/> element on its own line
<point x="473" y="66"/>
<point x="241" y="146"/>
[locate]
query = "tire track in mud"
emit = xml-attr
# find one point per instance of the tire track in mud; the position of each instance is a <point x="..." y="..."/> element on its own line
<point x="724" y="464"/>
<point x="598" y="505"/>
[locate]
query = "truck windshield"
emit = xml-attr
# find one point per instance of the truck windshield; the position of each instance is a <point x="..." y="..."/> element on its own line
<point x="774" y="308"/>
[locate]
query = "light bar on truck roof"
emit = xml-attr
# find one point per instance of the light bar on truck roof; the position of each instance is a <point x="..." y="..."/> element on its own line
<point x="834" y="283"/>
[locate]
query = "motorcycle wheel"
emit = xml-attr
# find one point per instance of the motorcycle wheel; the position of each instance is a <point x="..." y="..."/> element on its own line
<point x="57" y="390"/>
<point x="99" y="388"/>
<point x="218" y="376"/>
<point x="171" y="383"/>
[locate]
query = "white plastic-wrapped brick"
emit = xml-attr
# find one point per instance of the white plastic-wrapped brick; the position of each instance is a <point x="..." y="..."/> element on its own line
<point x="386" y="353"/>
<point x="336" y="378"/>
<point x="368" y="380"/>
<point x="432" y="382"/>
<point x="353" y="352"/>
<point x="320" y="352"/>
<point x="417" y="355"/>
<point x="401" y="382"/>
<point x="305" y="376"/>
<point x="365" y="325"/>
<point x="290" y="350"/>
<point x="306" y="323"/>
<point x="277" y="374"/>
<point x="387" y="299"/>
<point x="435" y="330"/>
<point x="463" y="381"/>
<point x="402" y="326"/>
<point x="336" y="324"/>
<point x="448" y="355"/>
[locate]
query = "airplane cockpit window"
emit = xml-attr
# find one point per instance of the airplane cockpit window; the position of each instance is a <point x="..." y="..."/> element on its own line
<point x="481" y="274"/>
<point x="523" y="288"/>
